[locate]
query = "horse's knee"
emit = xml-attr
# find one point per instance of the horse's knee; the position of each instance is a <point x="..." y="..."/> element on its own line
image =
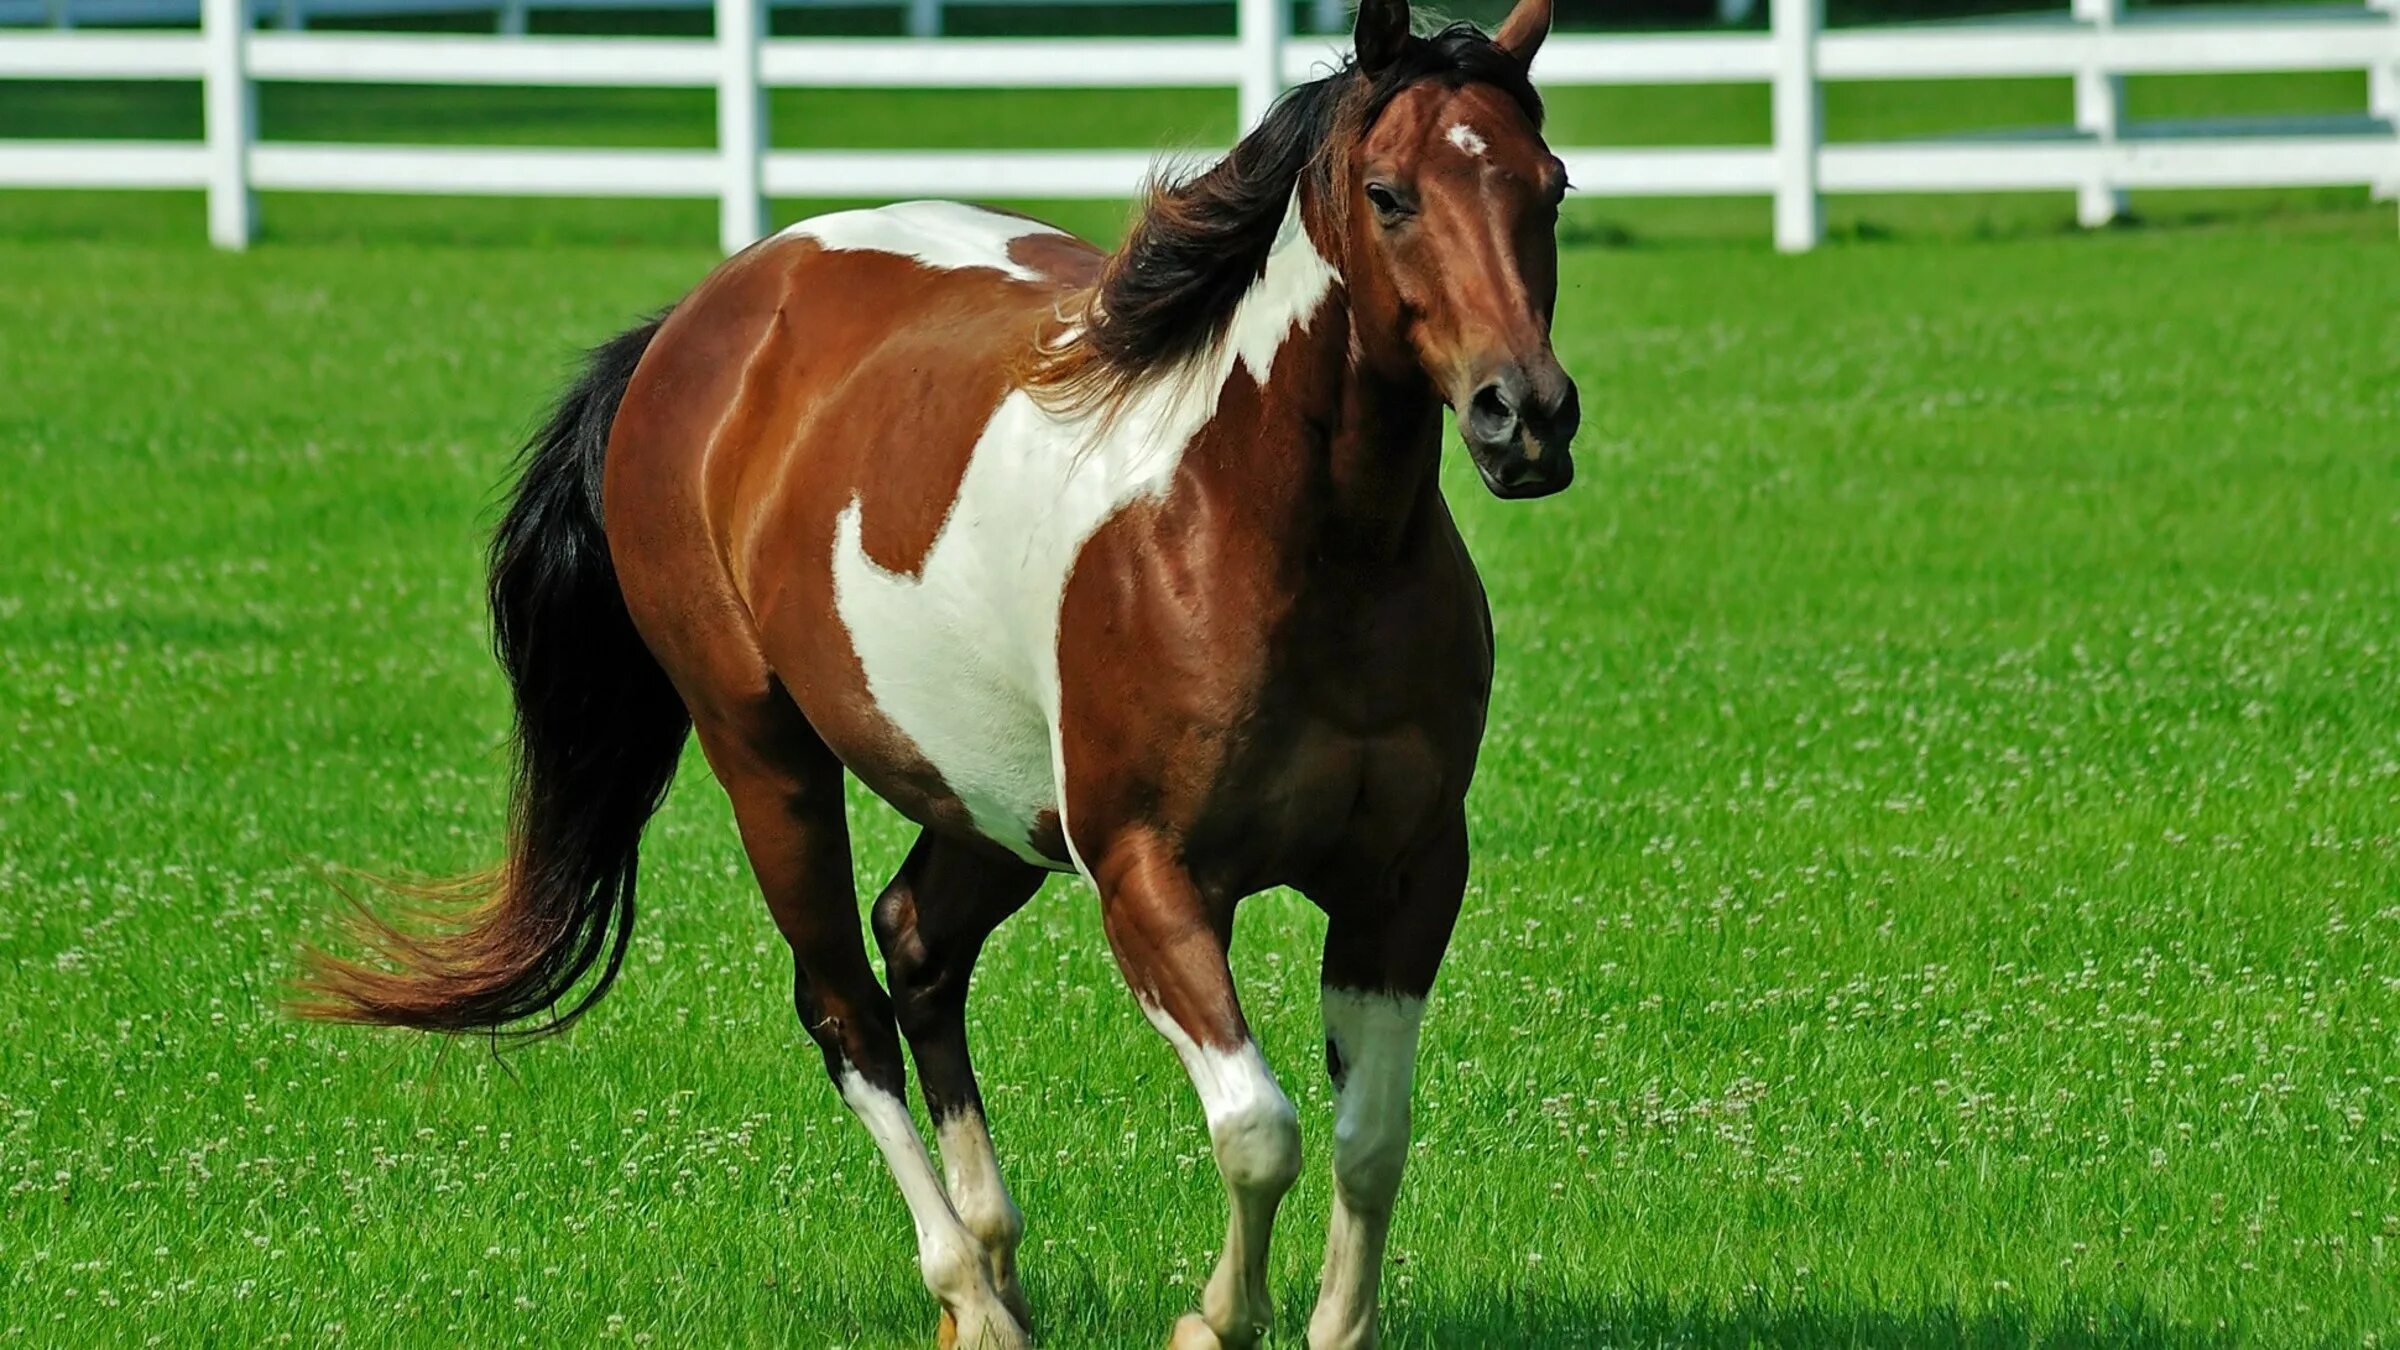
<point x="1257" y="1142"/>
<point x="1371" y="1044"/>
<point x="1369" y="1155"/>
<point x="1251" y="1125"/>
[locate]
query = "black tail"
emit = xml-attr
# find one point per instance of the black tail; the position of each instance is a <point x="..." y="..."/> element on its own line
<point x="598" y="732"/>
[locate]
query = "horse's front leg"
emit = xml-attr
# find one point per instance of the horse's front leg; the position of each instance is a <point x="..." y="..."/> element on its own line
<point x="1384" y="940"/>
<point x="1172" y="951"/>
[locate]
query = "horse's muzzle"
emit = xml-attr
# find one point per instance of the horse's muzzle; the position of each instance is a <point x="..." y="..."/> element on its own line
<point x="1517" y="427"/>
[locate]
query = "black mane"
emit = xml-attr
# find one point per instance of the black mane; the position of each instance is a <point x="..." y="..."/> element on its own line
<point x="1199" y="243"/>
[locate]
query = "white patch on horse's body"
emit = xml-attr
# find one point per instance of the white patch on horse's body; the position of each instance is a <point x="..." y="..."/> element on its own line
<point x="963" y="657"/>
<point x="947" y="235"/>
<point x="1374" y="1037"/>
<point x="948" y="1256"/>
<point x="1464" y="137"/>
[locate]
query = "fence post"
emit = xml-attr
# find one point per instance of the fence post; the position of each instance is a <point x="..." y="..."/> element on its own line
<point x="2099" y="112"/>
<point x="2383" y="92"/>
<point x="229" y="121"/>
<point x="1329" y="17"/>
<point x="1262" y="25"/>
<point x="1799" y="124"/>
<point x="741" y="124"/>
<point x="512" y="21"/>
<point x="924" y="18"/>
<point x="62" y="14"/>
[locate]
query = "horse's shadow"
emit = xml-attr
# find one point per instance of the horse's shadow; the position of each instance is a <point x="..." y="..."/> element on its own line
<point x="1572" y="1319"/>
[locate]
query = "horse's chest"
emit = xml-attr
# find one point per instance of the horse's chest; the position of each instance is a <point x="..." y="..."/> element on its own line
<point x="1266" y="724"/>
<point x="1318" y="791"/>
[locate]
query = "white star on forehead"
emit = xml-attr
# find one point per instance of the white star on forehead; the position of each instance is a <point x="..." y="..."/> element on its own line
<point x="1464" y="137"/>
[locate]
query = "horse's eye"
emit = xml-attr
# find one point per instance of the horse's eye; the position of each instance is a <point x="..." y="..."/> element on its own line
<point x="1386" y="201"/>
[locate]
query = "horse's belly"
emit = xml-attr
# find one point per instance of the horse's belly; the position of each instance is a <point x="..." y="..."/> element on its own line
<point x="948" y="671"/>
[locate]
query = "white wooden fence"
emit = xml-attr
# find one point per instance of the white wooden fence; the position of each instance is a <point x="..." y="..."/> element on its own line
<point x="2096" y="46"/>
<point x="920" y="18"/>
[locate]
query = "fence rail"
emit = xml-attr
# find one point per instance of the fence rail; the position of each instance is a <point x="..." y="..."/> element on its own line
<point x="2100" y="158"/>
<point x="920" y="18"/>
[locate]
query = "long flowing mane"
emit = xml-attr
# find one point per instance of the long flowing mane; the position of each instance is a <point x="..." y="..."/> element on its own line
<point x="1199" y="242"/>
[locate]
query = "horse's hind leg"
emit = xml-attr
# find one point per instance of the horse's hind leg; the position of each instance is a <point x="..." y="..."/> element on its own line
<point x="787" y="798"/>
<point x="931" y="922"/>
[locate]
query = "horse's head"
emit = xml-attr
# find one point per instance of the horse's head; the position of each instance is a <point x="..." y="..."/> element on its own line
<point x="1451" y="214"/>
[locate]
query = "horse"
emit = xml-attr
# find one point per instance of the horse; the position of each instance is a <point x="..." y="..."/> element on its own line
<point x="1129" y="564"/>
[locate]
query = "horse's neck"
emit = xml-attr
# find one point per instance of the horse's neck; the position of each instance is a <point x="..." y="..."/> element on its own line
<point x="1383" y="458"/>
<point x="1344" y="454"/>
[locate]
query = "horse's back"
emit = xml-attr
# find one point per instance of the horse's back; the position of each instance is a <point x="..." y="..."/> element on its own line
<point x="809" y="413"/>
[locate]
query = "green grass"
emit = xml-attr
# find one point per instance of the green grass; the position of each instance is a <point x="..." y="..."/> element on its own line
<point x="1937" y="876"/>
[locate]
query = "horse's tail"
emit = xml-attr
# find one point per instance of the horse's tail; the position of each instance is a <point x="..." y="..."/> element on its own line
<point x="598" y="732"/>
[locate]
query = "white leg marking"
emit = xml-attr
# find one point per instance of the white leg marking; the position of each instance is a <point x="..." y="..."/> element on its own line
<point x="1256" y="1137"/>
<point x="1375" y="1037"/>
<point x="1464" y="137"/>
<point x="948" y="1256"/>
<point x="982" y="1200"/>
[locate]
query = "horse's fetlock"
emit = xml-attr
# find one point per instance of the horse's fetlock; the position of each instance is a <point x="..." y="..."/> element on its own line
<point x="954" y="1270"/>
<point x="997" y="1223"/>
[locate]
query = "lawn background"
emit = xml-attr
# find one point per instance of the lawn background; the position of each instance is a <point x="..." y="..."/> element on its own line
<point x="1936" y="880"/>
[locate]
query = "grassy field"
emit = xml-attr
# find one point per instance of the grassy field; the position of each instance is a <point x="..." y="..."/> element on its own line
<point x="1938" y="844"/>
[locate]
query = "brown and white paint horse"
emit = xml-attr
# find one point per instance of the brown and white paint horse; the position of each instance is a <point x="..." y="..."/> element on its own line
<point x="1131" y="565"/>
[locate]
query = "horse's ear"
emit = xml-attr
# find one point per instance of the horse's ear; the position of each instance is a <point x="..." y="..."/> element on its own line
<point x="1521" y="33"/>
<point x="1382" y="33"/>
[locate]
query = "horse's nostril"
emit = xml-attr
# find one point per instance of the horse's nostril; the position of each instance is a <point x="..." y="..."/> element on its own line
<point x="1491" y="411"/>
